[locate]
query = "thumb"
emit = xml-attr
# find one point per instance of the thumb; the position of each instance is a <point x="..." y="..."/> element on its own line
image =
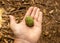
<point x="12" y="20"/>
<point x="12" y="23"/>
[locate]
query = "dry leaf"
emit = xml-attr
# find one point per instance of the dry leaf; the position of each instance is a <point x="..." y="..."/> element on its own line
<point x="1" y="12"/>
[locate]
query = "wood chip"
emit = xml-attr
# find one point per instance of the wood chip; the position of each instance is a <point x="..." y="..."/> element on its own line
<point x="10" y="37"/>
<point x="44" y="11"/>
<point x="1" y="35"/>
<point x="5" y="41"/>
<point x="51" y="11"/>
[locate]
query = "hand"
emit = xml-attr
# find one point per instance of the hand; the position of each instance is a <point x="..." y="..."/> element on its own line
<point x="22" y="31"/>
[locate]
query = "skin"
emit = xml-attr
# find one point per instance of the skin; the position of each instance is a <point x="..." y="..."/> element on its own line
<point x="25" y="34"/>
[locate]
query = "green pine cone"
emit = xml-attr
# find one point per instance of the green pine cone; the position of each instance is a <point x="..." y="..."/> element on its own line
<point x="29" y="21"/>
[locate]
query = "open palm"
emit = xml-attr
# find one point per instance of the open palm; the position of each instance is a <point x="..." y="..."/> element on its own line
<point x="22" y="31"/>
